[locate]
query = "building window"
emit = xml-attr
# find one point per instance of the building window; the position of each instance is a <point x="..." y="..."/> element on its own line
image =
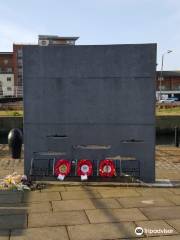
<point x="19" y="53"/>
<point x="8" y="79"/>
<point x="177" y="87"/>
<point x="19" y="70"/>
<point x="9" y="70"/>
<point x="164" y="88"/>
<point x="20" y="62"/>
<point x="19" y="80"/>
<point x="9" y="88"/>
<point x="71" y="42"/>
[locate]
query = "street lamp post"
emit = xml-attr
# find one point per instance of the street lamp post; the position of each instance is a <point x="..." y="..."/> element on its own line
<point x="161" y="74"/>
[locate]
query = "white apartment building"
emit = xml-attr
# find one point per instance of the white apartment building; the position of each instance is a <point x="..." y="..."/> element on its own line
<point x="6" y="84"/>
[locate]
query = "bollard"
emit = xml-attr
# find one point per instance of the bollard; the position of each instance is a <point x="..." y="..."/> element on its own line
<point x="15" y="143"/>
<point x="176" y="136"/>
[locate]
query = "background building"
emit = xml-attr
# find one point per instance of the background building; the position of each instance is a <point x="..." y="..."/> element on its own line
<point x="6" y="74"/>
<point x="11" y="69"/>
<point x="18" y="64"/>
<point x="170" y="84"/>
<point x="11" y="64"/>
<point x="45" y="40"/>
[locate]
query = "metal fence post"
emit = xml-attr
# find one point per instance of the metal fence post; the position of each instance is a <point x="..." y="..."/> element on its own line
<point x="176" y="136"/>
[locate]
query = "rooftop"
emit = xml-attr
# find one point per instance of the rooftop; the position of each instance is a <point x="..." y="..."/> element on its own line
<point x="56" y="37"/>
<point x="6" y="53"/>
<point x="170" y="73"/>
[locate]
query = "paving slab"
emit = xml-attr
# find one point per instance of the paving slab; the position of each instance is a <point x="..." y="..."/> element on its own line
<point x="105" y="203"/>
<point x="174" y="199"/>
<point x="56" y="188"/>
<point x="86" y="188"/>
<point x="102" y="231"/>
<point x="175" y="223"/>
<point x="45" y="233"/>
<point x="58" y="218"/>
<point x="173" y="237"/>
<point x="75" y="188"/>
<point x="156" y="227"/>
<point x="119" y="192"/>
<point x="154" y="191"/>
<point x="175" y="190"/>
<point x="90" y="188"/>
<point x="12" y="210"/>
<point x="4" y="235"/>
<point x="80" y="204"/>
<point x="69" y="205"/>
<point x="39" y="207"/>
<point x="13" y="221"/>
<point x="24" y="208"/>
<point x="79" y="194"/>
<point x="41" y="197"/>
<point x="114" y="215"/>
<point x="154" y="213"/>
<point x="10" y="197"/>
<point x="144" y="202"/>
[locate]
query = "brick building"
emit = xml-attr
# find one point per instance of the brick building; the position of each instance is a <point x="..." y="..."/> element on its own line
<point x="18" y="64"/>
<point x="43" y="40"/>
<point x="11" y="63"/>
<point x="170" y="84"/>
<point x="6" y="74"/>
<point x="11" y="69"/>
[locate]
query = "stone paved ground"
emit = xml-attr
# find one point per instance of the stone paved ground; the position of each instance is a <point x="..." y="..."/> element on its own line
<point x="7" y="164"/>
<point x="80" y="212"/>
<point x="168" y="163"/>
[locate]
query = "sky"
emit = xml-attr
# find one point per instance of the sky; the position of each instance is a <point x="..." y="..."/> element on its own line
<point x="95" y="22"/>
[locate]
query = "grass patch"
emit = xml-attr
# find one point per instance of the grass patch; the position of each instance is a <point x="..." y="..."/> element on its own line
<point x="172" y="111"/>
<point x="11" y="113"/>
<point x="159" y="112"/>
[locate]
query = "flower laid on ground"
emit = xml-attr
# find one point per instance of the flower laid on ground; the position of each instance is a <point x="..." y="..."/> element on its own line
<point x="14" y="182"/>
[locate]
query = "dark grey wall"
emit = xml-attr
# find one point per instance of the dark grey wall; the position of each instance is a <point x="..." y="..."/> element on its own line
<point x="92" y="95"/>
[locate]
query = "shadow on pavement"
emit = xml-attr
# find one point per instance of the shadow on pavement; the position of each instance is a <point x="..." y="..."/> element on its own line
<point x="122" y="229"/>
<point x="13" y="212"/>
